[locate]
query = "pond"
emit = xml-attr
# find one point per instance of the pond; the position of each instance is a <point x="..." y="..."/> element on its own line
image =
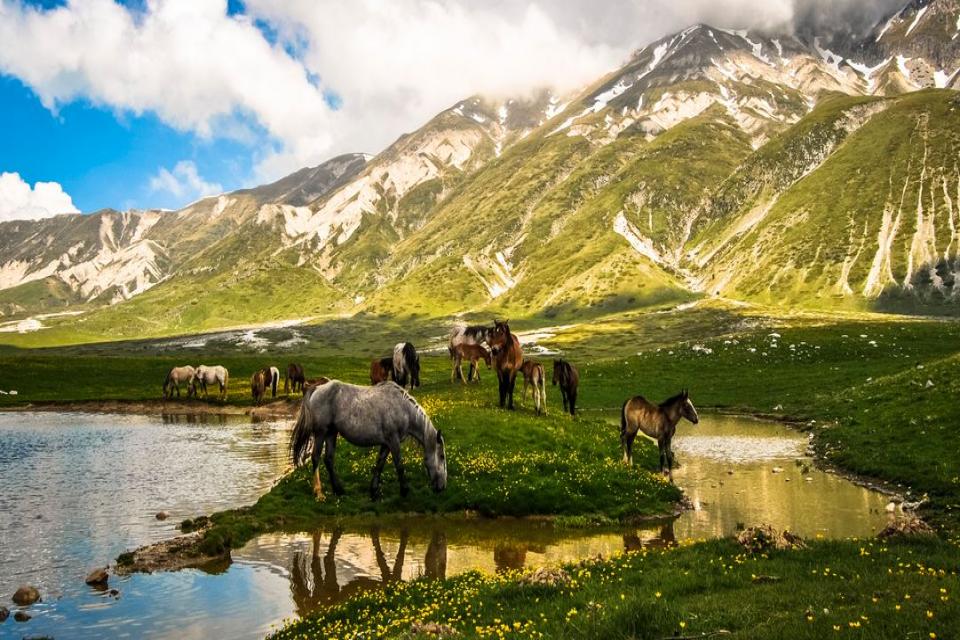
<point x="78" y="489"/>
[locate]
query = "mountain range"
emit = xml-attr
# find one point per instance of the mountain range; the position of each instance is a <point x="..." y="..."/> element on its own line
<point x="814" y="170"/>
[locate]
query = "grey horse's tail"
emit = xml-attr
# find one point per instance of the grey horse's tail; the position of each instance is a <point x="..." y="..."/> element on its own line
<point x="302" y="430"/>
<point x="623" y="422"/>
<point x="166" y="382"/>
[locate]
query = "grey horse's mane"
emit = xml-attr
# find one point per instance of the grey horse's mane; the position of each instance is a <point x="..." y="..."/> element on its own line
<point x="416" y="406"/>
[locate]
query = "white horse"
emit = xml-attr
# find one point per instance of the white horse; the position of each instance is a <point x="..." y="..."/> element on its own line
<point x="213" y="374"/>
<point x="380" y="416"/>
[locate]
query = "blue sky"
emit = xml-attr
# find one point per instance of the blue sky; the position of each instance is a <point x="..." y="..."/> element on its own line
<point x="105" y="159"/>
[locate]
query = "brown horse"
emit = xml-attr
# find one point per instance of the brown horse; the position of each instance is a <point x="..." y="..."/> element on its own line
<point x="534" y="376"/>
<point x="566" y="375"/>
<point x="295" y="378"/>
<point x="507" y="359"/>
<point x="381" y="370"/>
<point x="658" y="422"/>
<point x="315" y="382"/>
<point x="258" y="385"/>
<point x="472" y="353"/>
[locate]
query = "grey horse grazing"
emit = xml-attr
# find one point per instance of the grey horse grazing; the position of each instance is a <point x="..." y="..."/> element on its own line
<point x="383" y="415"/>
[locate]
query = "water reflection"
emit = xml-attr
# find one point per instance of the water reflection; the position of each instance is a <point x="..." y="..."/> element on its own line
<point x="87" y="487"/>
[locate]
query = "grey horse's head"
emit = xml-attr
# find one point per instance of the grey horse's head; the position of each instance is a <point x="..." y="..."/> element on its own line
<point x="435" y="459"/>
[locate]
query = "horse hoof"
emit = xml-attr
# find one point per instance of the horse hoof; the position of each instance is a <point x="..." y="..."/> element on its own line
<point x="320" y="497"/>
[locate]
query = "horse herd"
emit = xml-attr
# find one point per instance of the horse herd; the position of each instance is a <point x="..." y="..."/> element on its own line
<point x="384" y="414"/>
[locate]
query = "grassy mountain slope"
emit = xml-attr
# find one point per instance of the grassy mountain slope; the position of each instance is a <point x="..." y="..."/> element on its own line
<point x="873" y="224"/>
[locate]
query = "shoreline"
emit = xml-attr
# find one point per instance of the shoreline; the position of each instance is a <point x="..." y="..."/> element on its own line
<point x="279" y="408"/>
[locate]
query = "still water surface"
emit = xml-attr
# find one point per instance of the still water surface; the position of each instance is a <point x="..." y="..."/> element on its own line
<point x="78" y="489"/>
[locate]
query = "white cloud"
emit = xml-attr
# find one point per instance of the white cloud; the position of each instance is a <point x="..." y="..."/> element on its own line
<point x="186" y="60"/>
<point x="183" y="181"/>
<point x="394" y="64"/>
<point x="18" y="201"/>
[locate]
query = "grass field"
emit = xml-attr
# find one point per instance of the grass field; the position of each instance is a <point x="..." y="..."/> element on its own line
<point x="877" y="392"/>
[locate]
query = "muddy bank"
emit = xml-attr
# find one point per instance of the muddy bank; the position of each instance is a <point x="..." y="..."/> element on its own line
<point x="182" y="552"/>
<point x="279" y="409"/>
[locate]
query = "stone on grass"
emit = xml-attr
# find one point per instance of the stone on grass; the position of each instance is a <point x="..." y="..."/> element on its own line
<point x="906" y="528"/>
<point x="765" y="538"/>
<point x="547" y="576"/>
<point x="432" y="629"/>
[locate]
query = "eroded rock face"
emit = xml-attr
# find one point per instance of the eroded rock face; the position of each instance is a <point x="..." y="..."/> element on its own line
<point x="26" y="595"/>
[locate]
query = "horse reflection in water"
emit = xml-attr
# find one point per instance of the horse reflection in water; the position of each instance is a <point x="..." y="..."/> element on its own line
<point x="314" y="581"/>
<point x="665" y="537"/>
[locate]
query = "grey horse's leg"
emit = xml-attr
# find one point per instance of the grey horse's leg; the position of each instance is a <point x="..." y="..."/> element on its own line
<point x="315" y="459"/>
<point x="398" y="465"/>
<point x="328" y="458"/>
<point x="376" y="492"/>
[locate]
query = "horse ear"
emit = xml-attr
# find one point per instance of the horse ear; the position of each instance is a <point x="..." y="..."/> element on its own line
<point x="439" y="437"/>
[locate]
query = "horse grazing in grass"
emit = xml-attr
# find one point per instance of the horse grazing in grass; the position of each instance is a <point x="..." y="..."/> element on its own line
<point x="383" y="415"/>
<point x="566" y="375"/>
<point x="535" y="377"/>
<point x="294" y="379"/>
<point x="180" y="375"/>
<point x="658" y="422"/>
<point x="381" y="370"/>
<point x="258" y="385"/>
<point x="210" y="375"/>
<point x="473" y="353"/>
<point x="462" y="335"/>
<point x="507" y="359"/>
<point x="406" y="365"/>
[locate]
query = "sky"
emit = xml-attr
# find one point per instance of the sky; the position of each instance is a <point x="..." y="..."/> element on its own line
<point x="156" y="103"/>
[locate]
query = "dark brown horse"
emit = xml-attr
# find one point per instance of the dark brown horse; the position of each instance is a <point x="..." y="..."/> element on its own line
<point x="472" y="353"/>
<point x="381" y="370"/>
<point x="295" y="378"/>
<point x="507" y="360"/>
<point x="658" y="422"/>
<point x="258" y="385"/>
<point x="566" y="375"/>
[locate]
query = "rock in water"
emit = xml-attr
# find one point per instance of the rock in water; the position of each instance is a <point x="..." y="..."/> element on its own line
<point x="21" y="616"/>
<point x="98" y="577"/>
<point x="4" y="614"/>
<point x="26" y="595"/>
<point x="163" y="515"/>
